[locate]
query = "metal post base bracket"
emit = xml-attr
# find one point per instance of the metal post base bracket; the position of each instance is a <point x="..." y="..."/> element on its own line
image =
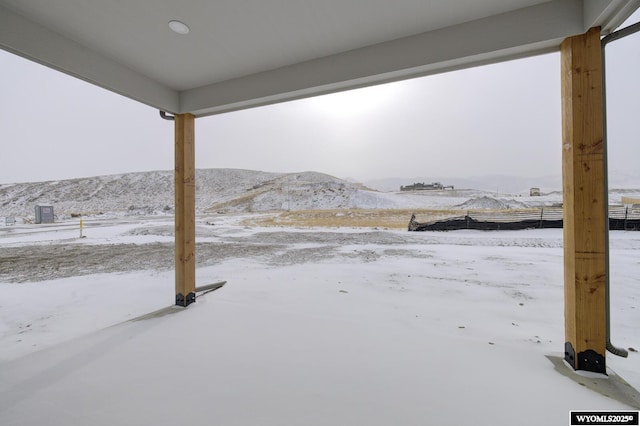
<point x="185" y="301"/>
<point x="588" y="360"/>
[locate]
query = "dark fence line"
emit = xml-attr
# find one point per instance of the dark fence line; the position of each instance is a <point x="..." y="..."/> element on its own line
<point x="621" y="218"/>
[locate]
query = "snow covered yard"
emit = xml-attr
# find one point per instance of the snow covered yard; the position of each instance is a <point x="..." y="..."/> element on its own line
<point x="315" y="326"/>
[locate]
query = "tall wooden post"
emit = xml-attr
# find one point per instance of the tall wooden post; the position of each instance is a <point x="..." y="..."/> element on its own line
<point x="584" y="202"/>
<point x="185" y="199"/>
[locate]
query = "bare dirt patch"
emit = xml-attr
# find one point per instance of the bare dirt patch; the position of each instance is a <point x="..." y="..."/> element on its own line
<point x="38" y="263"/>
<point x="354" y="218"/>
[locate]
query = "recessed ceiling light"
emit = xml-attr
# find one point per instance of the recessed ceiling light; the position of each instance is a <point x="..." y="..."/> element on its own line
<point x="178" y="27"/>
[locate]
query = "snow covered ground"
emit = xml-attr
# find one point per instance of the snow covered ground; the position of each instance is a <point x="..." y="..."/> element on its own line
<point x="314" y="327"/>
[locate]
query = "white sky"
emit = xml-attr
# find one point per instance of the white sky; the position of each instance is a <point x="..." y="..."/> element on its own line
<point x="499" y="119"/>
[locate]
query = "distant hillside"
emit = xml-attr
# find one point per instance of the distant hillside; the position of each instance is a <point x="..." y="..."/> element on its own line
<point x="234" y="190"/>
<point x="149" y="191"/>
<point x="216" y="189"/>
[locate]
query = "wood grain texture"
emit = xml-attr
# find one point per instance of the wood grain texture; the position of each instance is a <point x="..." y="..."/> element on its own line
<point x="583" y="192"/>
<point x="185" y="204"/>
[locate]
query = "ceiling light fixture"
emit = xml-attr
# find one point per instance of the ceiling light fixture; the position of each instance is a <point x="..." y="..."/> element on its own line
<point x="179" y="27"/>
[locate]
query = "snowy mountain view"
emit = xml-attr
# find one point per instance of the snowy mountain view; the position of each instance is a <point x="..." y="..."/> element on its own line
<point x="216" y="190"/>
<point x="320" y="322"/>
<point x="234" y="190"/>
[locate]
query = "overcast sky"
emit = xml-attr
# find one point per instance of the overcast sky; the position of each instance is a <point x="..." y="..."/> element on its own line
<point x="498" y="119"/>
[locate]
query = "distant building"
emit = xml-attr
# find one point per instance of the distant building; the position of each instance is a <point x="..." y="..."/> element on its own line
<point x="44" y="214"/>
<point x="421" y="186"/>
<point x="534" y="192"/>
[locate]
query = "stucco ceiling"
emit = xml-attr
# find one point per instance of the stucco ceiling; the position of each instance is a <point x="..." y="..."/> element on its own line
<point x="240" y="54"/>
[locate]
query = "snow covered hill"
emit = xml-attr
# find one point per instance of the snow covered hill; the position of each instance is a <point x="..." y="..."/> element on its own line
<point x="230" y="190"/>
<point x="235" y="190"/>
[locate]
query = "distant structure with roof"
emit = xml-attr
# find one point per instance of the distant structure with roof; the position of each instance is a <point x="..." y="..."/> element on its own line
<point x="421" y="186"/>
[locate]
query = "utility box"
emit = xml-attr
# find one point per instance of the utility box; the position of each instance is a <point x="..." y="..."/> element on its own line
<point x="44" y="214"/>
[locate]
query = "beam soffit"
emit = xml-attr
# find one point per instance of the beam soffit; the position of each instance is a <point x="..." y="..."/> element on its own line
<point x="536" y="29"/>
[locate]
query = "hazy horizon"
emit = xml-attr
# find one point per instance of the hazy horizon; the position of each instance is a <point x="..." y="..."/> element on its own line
<point x="349" y="178"/>
<point x="484" y="182"/>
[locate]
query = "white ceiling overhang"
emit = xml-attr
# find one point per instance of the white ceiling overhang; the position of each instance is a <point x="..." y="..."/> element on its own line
<point x="256" y="52"/>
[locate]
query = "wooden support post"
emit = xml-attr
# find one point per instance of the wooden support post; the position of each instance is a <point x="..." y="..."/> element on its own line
<point x="185" y="196"/>
<point x="584" y="204"/>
